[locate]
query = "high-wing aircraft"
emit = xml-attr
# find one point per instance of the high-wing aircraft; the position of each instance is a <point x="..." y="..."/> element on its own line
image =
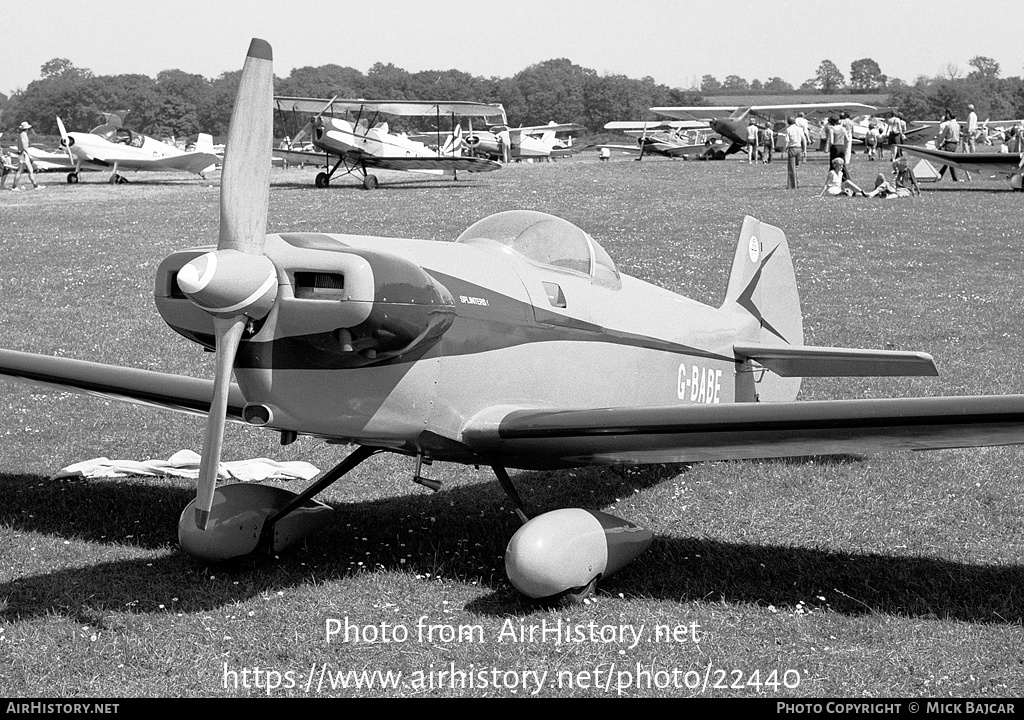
<point x="111" y="145"/>
<point x="731" y="121"/>
<point x="520" y="345"/>
<point x="679" y="138"/>
<point x="524" y="143"/>
<point x="365" y="143"/>
<point x="990" y="164"/>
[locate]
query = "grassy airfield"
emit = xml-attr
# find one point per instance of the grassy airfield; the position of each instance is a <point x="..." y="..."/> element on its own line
<point x="888" y="575"/>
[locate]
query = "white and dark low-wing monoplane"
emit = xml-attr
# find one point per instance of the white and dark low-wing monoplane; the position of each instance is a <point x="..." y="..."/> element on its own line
<point x="363" y="141"/>
<point x="520" y="345"/>
<point x="113" y="146"/>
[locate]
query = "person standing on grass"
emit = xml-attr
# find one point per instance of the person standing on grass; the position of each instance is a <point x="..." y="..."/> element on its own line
<point x="751" y="141"/>
<point x="24" y="161"/>
<point x="948" y="140"/>
<point x="972" y="130"/>
<point x="5" y="167"/>
<point x="796" y="148"/>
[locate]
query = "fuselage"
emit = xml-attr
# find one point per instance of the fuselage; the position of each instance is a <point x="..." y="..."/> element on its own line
<point x="107" y="145"/>
<point x="341" y="137"/>
<point x="400" y="343"/>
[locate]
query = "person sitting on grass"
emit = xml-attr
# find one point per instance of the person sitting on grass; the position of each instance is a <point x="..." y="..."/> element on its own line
<point x="835" y="185"/>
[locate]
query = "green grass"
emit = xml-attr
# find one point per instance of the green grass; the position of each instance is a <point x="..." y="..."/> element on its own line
<point x="888" y="575"/>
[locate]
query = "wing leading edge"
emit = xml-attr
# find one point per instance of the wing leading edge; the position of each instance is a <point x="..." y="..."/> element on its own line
<point x="540" y="439"/>
<point x="146" y="387"/>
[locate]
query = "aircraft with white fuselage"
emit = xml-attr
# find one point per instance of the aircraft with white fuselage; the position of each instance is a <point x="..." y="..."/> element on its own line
<point x="113" y="146"/>
<point x="364" y="141"/>
<point x="519" y="345"/>
<point x="677" y="138"/>
<point x="532" y="142"/>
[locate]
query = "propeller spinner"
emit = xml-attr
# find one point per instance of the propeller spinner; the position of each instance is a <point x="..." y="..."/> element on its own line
<point x="236" y="283"/>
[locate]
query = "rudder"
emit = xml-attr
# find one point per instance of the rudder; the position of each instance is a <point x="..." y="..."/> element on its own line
<point x="762" y="283"/>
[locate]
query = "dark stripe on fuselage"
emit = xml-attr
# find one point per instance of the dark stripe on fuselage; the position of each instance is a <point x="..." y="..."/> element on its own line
<point x="503" y="322"/>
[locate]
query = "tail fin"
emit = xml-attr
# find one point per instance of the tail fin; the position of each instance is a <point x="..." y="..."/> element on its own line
<point x="204" y="143"/>
<point x="454" y="143"/>
<point x="762" y="283"/>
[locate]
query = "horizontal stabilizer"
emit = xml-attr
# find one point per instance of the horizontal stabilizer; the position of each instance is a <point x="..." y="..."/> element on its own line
<point x="808" y="361"/>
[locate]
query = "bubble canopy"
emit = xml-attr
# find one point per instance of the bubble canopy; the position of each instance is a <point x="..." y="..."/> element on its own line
<point x="547" y="240"/>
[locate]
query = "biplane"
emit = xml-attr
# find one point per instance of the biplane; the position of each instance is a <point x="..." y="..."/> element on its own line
<point x="678" y="138"/>
<point x="520" y="345"/>
<point x="363" y="142"/>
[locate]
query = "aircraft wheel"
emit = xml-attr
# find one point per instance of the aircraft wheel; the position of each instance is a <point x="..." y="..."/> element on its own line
<point x="370" y="182"/>
<point x="574" y="597"/>
<point x="121" y="180"/>
<point x="322" y="180"/>
<point x="72" y="178"/>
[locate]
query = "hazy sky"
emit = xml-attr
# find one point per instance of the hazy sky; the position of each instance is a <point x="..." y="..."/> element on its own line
<point x="676" y="43"/>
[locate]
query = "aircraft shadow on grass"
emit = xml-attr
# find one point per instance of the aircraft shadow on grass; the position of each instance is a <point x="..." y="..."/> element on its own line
<point x="400" y="534"/>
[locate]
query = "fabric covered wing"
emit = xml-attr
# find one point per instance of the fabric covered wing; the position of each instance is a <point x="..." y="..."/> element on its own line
<point x="162" y="390"/>
<point x="446" y="164"/>
<point x="537" y="439"/>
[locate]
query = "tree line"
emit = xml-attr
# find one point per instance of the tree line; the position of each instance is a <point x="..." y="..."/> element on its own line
<point x="180" y="104"/>
<point x="925" y="99"/>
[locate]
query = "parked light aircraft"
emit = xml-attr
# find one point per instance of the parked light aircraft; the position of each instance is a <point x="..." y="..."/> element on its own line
<point x="520" y="345"/>
<point x="990" y="164"/>
<point x="363" y="143"/>
<point x="731" y="122"/>
<point x="679" y="138"/>
<point x="111" y="145"/>
<point x="530" y="142"/>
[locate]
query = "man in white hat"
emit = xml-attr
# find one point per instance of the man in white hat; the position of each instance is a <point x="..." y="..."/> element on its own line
<point x="972" y="129"/>
<point x="24" y="161"/>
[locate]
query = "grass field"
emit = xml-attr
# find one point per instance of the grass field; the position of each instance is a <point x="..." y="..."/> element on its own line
<point x="876" y="576"/>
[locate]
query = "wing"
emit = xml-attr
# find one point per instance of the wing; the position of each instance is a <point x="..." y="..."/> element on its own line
<point x="445" y="164"/>
<point x="408" y="108"/>
<point x="654" y="125"/>
<point x="541" y="129"/>
<point x="302" y="157"/>
<point x="162" y="390"/>
<point x="190" y="162"/>
<point x="696" y="112"/>
<point x="544" y="438"/>
<point x="812" y="108"/>
<point x="981" y="163"/>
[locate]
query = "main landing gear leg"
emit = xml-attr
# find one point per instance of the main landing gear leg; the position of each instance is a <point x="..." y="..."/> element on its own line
<point x="510" y="490"/>
<point x="355" y="458"/>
